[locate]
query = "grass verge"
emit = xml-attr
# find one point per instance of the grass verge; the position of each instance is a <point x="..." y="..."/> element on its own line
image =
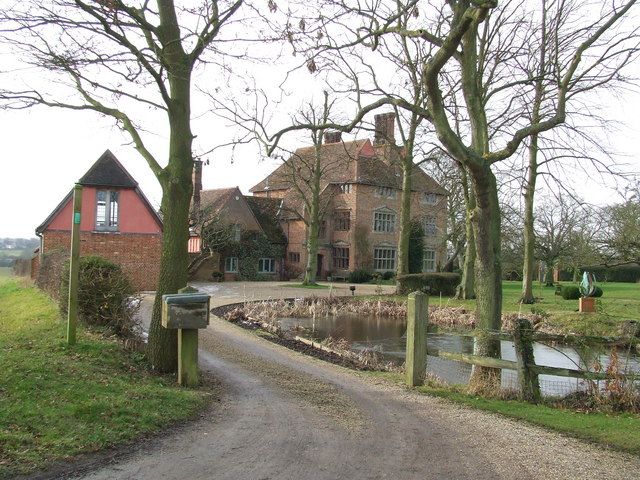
<point x="57" y="402"/>
<point x="619" y="431"/>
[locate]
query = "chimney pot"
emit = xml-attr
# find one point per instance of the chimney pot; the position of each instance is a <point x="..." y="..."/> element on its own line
<point x="385" y="128"/>
<point x="332" y="137"/>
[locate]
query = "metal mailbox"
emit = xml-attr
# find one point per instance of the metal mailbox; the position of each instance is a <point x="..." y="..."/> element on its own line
<point x="185" y="310"/>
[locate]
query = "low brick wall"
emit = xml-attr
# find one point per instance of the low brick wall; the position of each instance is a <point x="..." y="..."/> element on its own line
<point x="138" y="254"/>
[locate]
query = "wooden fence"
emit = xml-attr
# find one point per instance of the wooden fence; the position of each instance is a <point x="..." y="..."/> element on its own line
<point x="523" y="336"/>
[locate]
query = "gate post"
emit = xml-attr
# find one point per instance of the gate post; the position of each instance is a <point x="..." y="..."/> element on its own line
<point x="416" y="356"/>
<point x="523" y="342"/>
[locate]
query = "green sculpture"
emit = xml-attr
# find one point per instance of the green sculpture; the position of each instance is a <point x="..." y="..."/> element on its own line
<point x="588" y="284"/>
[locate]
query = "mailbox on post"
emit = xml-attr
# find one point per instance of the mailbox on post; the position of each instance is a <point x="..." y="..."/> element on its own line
<point x="187" y="312"/>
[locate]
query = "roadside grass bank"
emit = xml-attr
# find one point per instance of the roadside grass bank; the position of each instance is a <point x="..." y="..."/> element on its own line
<point x="57" y="402"/>
<point x="620" y="302"/>
<point x="620" y="431"/>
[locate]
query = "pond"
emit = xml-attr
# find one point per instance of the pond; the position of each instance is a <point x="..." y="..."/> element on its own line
<point x="388" y="335"/>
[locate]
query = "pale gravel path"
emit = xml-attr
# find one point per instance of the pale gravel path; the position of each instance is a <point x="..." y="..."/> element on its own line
<point x="288" y="416"/>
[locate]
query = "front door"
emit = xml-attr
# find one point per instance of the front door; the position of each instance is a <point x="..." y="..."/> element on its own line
<point x="319" y="270"/>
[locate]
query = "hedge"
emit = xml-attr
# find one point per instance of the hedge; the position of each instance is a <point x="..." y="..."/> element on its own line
<point x="621" y="273"/>
<point x="444" y="283"/>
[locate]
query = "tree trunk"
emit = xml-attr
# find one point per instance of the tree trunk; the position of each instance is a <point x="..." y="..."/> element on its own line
<point x="548" y="278"/>
<point x="405" y="219"/>
<point x="312" y="255"/>
<point x="488" y="279"/>
<point x="529" y="233"/>
<point x="177" y="188"/>
<point x="466" y="290"/>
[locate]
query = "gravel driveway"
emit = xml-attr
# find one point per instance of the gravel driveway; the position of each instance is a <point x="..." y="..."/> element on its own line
<point x="287" y="416"/>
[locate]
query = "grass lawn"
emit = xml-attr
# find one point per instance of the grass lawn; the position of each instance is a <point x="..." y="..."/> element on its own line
<point x="58" y="401"/>
<point x="620" y="302"/>
<point x="619" y="431"/>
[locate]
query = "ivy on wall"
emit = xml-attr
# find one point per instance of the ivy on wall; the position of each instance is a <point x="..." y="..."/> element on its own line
<point x="252" y="247"/>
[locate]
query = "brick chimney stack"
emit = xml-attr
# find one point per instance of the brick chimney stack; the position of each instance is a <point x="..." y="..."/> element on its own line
<point x="332" y="137"/>
<point x="197" y="184"/>
<point x="385" y="128"/>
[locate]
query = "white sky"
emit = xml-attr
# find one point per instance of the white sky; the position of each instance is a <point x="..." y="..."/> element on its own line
<point x="44" y="151"/>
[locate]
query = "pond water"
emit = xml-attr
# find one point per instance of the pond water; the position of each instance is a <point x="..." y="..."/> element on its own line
<point x="388" y="336"/>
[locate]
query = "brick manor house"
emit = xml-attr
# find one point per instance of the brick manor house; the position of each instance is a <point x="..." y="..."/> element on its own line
<point x="361" y="188"/>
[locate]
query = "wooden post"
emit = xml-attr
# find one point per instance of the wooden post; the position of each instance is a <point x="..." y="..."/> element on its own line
<point x="74" y="264"/>
<point x="188" y="357"/>
<point x="417" y="319"/>
<point x="523" y="342"/>
<point x="188" y="351"/>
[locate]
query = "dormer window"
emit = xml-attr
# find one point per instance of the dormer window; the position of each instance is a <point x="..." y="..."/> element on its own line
<point x="107" y="210"/>
<point x="345" y="188"/>
<point x="386" y="192"/>
<point x="429" y="198"/>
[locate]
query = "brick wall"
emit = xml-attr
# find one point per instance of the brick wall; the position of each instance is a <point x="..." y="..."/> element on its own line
<point x="138" y="254"/>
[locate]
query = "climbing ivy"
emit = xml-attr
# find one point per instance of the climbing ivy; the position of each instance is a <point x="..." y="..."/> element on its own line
<point x="252" y="247"/>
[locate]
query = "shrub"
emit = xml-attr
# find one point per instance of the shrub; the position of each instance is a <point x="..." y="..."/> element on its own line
<point x="569" y="292"/>
<point x="360" y="276"/>
<point x="105" y="295"/>
<point x="438" y="283"/>
<point x="217" y="276"/>
<point x="597" y="292"/>
<point x="388" y="275"/>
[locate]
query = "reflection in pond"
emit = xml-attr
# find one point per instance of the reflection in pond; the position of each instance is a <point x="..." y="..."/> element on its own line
<point x="388" y="336"/>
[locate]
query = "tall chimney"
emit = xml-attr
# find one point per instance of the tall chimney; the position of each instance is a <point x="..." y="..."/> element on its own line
<point x="197" y="184"/>
<point x="332" y="137"/>
<point x="385" y="128"/>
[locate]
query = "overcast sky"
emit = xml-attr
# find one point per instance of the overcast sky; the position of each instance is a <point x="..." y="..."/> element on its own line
<point x="44" y="151"/>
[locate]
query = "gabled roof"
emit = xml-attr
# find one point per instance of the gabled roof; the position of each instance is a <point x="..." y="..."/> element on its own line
<point x="336" y="159"/>
<point x="356" y="161"/>
<point x="266" y="211"/>
<point x="108" y="172"/>
<point x="214" y="200"/>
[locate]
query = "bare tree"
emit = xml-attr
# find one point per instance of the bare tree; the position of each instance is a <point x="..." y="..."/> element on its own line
<point x="482" y="43"/>
<point x="118" y="58"/>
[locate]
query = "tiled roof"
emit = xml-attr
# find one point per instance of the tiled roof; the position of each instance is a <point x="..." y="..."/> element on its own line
<point x="214" y="200"/>
<point x="266" y="211"/>
<point x="350" y="162"/>
<point x="108" y="172"/>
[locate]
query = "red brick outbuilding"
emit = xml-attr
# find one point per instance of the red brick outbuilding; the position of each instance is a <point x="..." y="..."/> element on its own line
<point x="117" y="223"/>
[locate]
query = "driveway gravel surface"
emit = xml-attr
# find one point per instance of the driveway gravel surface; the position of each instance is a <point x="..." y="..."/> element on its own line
<point x="283" y="415"/>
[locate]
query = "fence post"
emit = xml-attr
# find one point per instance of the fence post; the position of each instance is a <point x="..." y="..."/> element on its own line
<point x="417" y="319"/>
<point x="523" y="342"/>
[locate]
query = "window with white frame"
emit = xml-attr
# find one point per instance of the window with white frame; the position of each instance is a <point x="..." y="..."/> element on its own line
<point x="430" y="227"/>
<point x="341" y="258"/>
<point x="267" y="265"/>
<point x="384" y="221"/>
<point x="107" y="211"/>
<point x="231" y="264"/>
<point x="429" y="260"/>
<point x="386" y="192"/>
<point x="237" y="232"/>
<point x="429" y="198"/>
<point x="345" y="188"/>
<point x="384" y="258"/>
